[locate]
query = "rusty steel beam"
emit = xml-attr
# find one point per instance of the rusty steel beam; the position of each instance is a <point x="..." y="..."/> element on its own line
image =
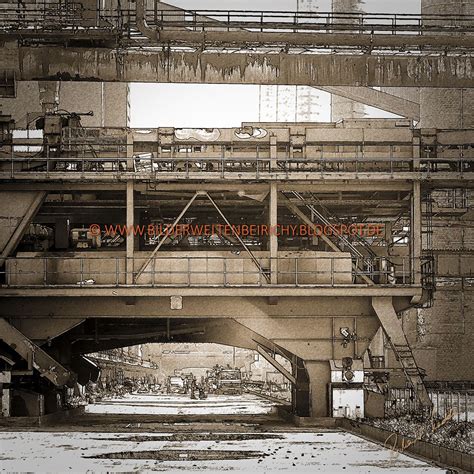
<point x="103" y="64"/>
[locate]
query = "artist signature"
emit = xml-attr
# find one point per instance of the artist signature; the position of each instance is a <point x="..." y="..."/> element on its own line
<point x="406" y="443"/>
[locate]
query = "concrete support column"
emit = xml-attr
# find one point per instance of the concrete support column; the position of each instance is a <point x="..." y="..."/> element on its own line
<point x="130" y="163"/>
<point x="319" y="378"/>
<point x="273" y="221"/>
<point x="341" y="107"/>
<point x="416" y="236"/>
<point x="301" y="398"/>
<point x="442" y="107"/>
<point x="416" y="153"/>
<point x="5" y="379"/>
<point x="130" y="242"/>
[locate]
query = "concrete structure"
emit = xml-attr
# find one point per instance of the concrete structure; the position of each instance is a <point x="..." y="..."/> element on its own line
<point x="266" y="270"/>
<point x="343" y="107"/>
<point x="107" y="101"/>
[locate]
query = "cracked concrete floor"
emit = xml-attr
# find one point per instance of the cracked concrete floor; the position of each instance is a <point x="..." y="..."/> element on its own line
<point x="100" y="441"/>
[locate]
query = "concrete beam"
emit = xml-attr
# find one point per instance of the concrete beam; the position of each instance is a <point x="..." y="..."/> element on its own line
<point x="279" y="290"/>
<point x="109" y="65"/>
<point x="40" y="360"/>
<point x="455" y="177"/>
<point x="314" y="186"/>
<point x="374" y="98"/>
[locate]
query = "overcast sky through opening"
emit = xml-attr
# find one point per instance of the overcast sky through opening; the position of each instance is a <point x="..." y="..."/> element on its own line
<point x="222" y="105"/>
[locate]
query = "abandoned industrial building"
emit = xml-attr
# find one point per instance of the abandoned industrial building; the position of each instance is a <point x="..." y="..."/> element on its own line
<point x="237" y="235"/>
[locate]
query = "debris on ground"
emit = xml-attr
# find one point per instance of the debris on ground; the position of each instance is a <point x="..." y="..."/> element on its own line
<point x="458" y="435"/>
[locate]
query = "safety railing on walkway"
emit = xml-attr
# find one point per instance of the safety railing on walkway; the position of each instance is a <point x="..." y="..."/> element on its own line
<point x="254" y="167"/>
<point x="181" y="270"/>
<point x="292" y="21"/>
<point x="40" y="16"/>
<point x="458" y="405"/>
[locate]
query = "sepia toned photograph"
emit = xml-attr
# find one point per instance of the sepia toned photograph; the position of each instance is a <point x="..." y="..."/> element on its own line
<point x="237" y="236"/>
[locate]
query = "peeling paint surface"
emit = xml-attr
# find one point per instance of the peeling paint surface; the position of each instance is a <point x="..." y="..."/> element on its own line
<point x="193" y="67"/>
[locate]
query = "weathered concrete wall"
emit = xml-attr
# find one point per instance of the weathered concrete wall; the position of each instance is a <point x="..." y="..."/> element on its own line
<point x="443" y="335"/>
<point x="446" y="108"/>
<point x="342" y="107"/>
<point x="182" y="269"/>
<point x="237" y="68"/>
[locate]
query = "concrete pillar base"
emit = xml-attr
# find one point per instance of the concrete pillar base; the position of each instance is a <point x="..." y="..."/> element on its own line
<point x="319" y="377"/>
<point x="5" y="379"/>
<point x="5" y="405"/>
<point x="26" y="403"/>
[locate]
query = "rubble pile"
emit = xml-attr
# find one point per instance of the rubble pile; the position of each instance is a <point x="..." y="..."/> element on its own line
<point x="458" y="435"/>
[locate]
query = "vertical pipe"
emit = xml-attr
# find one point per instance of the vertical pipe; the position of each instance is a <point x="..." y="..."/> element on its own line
<point x="416" y="233"/>
<point x="130" y="242"/>
<point x="273" y="221"/>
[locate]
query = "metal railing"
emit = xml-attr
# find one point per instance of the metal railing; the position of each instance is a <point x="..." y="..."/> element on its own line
<point x="16" y="166"/>
<point x="292" y="21"/>
<point x="40" y="16"/>
<point x="458" y="403"/>
<point x="204" y="271"/>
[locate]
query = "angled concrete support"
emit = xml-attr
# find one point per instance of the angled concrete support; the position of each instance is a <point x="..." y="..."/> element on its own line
<point x="24" y="207"/>
<point x="375" y="98"/>
<point x="39" y="359"/>
<point x="392" y="326"/>
<point x="271" y="360"/>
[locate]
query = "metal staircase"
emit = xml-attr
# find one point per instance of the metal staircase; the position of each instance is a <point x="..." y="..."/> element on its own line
<point x="399" y="343"/>
<point x="329" y="219"/>
<point x="366" y="258"/>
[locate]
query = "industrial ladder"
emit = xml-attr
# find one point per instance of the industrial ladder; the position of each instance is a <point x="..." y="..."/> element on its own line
<point x="399" y="343"/>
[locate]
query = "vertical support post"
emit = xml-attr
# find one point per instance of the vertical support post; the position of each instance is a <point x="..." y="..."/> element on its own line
<point x="416" y="153"/>
<point x="273" y="221"/>
<point x="5" y="379"/>
<point x="130" y="163"/>
<point x="130" y="243"/>
<point x="273" y="153"/>
<point x="416" y="234"/>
